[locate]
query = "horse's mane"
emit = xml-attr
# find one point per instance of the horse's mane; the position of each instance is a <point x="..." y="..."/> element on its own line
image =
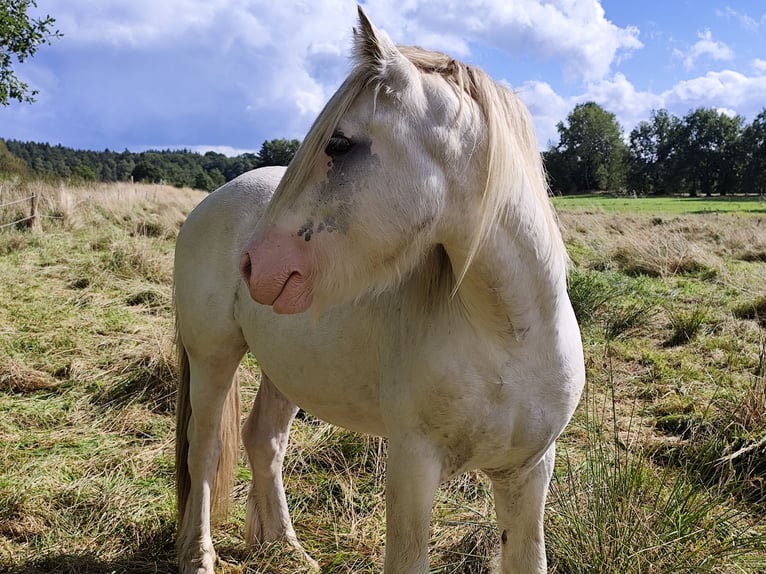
<point x="514" y="165"/>
<point x="515" y="188"/>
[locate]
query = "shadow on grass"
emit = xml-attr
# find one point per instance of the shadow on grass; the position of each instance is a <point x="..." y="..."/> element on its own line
<point x="708" y="211"/>
<point x="88" y="564"/>
<point x="156" y="555"/>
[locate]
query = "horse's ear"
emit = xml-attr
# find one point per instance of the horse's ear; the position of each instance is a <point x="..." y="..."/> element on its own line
<point x="373" y="48"/>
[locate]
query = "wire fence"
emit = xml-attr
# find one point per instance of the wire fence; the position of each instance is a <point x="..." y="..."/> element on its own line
<point x="33" y="217"/>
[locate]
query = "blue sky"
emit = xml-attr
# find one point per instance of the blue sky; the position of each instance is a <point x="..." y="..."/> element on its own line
<point x="228" y="74"/>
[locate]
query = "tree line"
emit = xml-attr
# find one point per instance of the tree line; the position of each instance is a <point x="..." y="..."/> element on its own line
<point x="707" y="152"/>
<point x="181" y="168"/>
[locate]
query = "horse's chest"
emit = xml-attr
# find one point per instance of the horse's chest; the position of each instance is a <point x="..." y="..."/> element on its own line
<point x="482" y="408"/>
<point x="330" y="372"/>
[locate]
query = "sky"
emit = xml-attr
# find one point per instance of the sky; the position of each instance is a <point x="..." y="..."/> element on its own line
<point x="226" y="75"/>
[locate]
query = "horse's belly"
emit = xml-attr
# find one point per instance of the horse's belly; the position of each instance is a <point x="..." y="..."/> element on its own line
<point x="330" y="368"/>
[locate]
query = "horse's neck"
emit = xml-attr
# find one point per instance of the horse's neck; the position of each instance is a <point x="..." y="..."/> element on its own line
<point x="516" y="282"/>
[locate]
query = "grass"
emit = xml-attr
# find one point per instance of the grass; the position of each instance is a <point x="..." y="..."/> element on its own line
<point x="660" y="206"/>
<point x="660" y="471"/>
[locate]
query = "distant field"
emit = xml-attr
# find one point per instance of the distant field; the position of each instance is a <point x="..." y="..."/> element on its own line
<point x="660" y="205"/>
<point x="661" y="471"/>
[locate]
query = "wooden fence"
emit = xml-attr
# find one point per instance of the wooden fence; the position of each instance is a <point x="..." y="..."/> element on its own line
<point x="33" y="219"/>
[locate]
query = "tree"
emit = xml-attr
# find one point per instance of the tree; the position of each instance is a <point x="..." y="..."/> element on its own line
<point x="277" y="152"/>
<point x="706" y="156"/>
<point x="560" y="170"/>
<point x="651" y="153"/>
<point x="84" y="173"/>
<point x="146" y="171"/>
<point x="202" y="181"/>
<point x="217" y="178"/>
<point x="754" y="156"/>
<point x="20" y="37"/>
<point x="10" y="165"/>
<point x="591" y="149"/>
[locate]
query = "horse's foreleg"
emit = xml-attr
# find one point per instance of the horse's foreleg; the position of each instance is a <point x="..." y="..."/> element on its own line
<point x="520" y="503"/>
<point x="413" y="474"/>
<point x="209" y="386"/>
<point x="265" y="435"/>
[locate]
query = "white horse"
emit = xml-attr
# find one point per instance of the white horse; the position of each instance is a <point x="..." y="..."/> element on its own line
<point x="414" y="224"/>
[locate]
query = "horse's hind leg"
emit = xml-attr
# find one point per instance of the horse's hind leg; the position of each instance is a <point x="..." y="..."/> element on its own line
<point x="520" y="502"/>
<point x="265" y="436"/>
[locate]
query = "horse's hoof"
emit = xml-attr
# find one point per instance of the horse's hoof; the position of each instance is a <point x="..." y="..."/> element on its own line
<point x="201" y="564"/>
<point x="310" y="562"/>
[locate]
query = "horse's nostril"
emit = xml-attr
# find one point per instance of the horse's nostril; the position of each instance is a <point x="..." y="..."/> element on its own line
<point x="245" y="267"/>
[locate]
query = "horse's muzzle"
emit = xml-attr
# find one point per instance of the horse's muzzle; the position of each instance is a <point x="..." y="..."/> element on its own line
<point x="277" y="271"/>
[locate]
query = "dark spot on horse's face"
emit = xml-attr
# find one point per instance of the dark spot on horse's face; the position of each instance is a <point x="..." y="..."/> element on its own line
<point x="306" y="230"/>
<point x="504" y="537"/>
<point x="330" y="224"/>
<point x="346" y="176"/>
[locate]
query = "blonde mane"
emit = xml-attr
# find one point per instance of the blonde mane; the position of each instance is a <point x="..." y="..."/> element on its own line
<point x="515" y="186"/>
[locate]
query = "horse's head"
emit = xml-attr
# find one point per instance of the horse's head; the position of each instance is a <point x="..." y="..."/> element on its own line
<point x="372" y="187"/>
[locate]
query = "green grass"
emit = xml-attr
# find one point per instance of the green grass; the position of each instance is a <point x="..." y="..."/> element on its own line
<point x="660" y="471"/>
<point x="660" y="206"/>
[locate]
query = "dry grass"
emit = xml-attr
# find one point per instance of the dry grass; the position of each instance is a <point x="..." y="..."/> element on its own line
<point x="87" y="382"/>
<point x="148" y="210"/>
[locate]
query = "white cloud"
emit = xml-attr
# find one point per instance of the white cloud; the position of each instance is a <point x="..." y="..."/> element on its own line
<point x="728" y="92"/>
<point x="141" y="23"/>
<point x="705" y="46"/>
<point x="727" y="112"/>
<point x="616" y="95"/>
<point x="620" y="96"/>
<point x="745" y="20"/>
<point x="226" y="150"/>
<point x="284" y="57"/>
<point x="248" y="70"/>
<point x="547" y="109"/>
<point x="724" y="89"/>
<point x="572" y="32"/>
<point x="282" y="60"/>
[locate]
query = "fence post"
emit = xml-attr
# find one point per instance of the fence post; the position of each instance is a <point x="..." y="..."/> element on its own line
<point x="34" y="218"/>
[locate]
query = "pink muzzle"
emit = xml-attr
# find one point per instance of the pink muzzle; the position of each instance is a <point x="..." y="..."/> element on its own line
<point x="277" y="271"/>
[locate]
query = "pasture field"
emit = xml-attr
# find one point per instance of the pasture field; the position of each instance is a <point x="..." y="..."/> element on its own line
<point x="661" y="205"/>
<point x="662" y="470"/>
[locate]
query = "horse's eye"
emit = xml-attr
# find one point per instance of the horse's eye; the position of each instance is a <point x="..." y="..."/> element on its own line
<point x="338" y="145"/>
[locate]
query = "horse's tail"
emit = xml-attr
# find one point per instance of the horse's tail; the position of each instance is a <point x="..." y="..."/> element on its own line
<point x="183" y="414"/>
<point x="224" y="478"/>
<point x="227" y="462"/>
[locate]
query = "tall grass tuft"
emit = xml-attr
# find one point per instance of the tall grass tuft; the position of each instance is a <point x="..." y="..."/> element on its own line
<point x="590" y="293"/>
<point x="686" y="324"/>
<point x="728" y="452"/>
<point x="611" y="510"/>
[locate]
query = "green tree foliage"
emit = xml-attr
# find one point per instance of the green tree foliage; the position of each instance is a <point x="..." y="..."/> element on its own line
<point x="84" y="173"/>
<point x="754" y="156"/>
<point x="147" y="171"/>
<point x="703" y="153"/>
<point x="590" y="154"/>
<point x="180" y="168"/>
<point x="20" y="37"/>
<point x="10" y="165"/>
<point x="651" y="153"/>
<point x="706" y="152"/>
<point x="277" y="152"/>
<point x="203" y="181"/>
